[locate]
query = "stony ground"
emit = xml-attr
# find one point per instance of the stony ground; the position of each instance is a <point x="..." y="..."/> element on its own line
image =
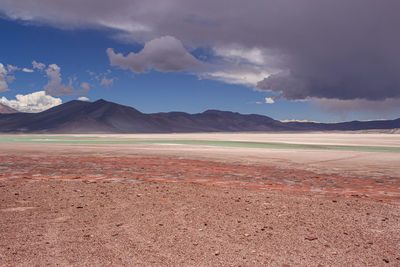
<point x="172" y="169"/>
<point x="70" y="209"/>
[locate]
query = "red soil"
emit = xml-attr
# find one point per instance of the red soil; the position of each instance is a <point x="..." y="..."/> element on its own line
<point x="71" y="208"/>
<point x="167" y="169"/>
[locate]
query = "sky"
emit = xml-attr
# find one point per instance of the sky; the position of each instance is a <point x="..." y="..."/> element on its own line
<point x="314" y="60"/>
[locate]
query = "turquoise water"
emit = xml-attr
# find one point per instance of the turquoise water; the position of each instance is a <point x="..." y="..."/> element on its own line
<point x="265" y="145"/>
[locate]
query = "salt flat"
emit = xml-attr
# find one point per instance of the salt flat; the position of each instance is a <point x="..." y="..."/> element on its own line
<point x="354" y="162"/>
<point x="335" y="138"/>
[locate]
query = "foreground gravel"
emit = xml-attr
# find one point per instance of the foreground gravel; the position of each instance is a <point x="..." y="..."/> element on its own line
<point x="78" y="222"/>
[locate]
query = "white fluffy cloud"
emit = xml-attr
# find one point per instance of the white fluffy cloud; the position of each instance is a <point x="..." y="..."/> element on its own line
<point x="55" y="86"/>
<point x="34" y="102"/>
<point x="27" y="70"/>
<point x="38" y="65"/>
<point x="244" y="75"/>
<point x="11" y="68"/>
<point x="162" y="54"/>
<point x="83" y="98"/>
<point x="269" y="100"/>
<point x="239" y="65"/>
<point x="3" y="78"/>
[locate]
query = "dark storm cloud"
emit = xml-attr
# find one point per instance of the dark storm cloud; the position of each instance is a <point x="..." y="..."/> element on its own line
<point x="344" y="107"/>
<point x="334" y="49"/>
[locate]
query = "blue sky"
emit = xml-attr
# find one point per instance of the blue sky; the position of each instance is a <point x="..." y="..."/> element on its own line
<point x="80" y="55"/>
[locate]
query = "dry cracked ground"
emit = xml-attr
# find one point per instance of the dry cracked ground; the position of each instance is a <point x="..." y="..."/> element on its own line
<point x="74" y="206"/>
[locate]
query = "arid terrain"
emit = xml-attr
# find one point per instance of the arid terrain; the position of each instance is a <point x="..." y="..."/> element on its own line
<point x="242" y="199"/>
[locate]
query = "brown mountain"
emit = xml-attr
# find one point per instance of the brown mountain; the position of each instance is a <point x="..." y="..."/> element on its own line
<point x="107" y="117"/>
<point x="7" y="110"/>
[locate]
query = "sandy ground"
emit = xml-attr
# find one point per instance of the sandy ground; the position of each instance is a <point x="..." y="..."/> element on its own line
<point x="165" y="205"/>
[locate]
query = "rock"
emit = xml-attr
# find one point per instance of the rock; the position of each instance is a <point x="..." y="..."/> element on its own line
<point x="216" y="253"/>
<point x="311" y="238"/>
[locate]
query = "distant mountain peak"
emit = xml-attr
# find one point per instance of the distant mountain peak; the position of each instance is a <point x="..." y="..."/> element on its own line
<point x="216" y="111"/>
<point x="101" y="100"/>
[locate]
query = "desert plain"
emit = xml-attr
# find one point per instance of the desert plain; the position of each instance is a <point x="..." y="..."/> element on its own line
<point x="209" y="199"/>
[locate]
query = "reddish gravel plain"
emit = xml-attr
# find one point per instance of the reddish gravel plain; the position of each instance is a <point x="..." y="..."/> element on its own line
<point x="118" y="210"/>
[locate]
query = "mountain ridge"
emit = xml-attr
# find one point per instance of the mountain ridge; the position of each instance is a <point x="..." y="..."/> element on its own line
<point x="4" y="109"/>
<point x="103" y="116"/>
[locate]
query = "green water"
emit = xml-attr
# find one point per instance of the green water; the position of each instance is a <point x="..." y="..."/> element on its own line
<point x="265" y="145"/>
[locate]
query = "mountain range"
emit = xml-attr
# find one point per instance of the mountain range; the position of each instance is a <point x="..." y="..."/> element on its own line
<point x="108" y="117"/>
<point x="6" y="109"/>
